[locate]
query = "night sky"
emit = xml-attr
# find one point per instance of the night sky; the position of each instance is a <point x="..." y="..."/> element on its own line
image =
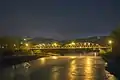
<point x="59" y="19"/>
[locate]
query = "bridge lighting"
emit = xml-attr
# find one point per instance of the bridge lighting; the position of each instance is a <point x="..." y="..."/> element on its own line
<point x="72" y="44"/>
<point x="85" y="43"/>
<point x="43" y="44"/>
<point x="40" y="44"/>
<point x="88" y="43"/>
<point x="55" y="44"/>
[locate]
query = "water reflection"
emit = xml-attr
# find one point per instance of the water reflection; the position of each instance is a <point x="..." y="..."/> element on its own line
<point x="72" y="70"/>
<point x="55" y="73"/>
<point x="72" y="57"/>
<point x="54" y="57"/>
<point x="22" y="71"/>
<point x="83" y="70"/>
<point x="88" y="69"/>
<point x="26" y="66"/>
<point x="42" y="61"/>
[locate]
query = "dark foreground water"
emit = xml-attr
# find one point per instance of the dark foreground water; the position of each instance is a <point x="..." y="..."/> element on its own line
<point x="57" y="68"/>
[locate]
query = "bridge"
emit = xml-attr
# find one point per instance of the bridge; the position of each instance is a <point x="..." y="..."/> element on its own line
<point x="72" y="45"/>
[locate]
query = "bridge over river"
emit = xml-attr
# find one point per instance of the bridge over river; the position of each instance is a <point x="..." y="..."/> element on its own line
<point x="70" y="47"/>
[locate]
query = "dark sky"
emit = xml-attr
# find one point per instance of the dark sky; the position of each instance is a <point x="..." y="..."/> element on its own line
<point x="60" y="19"/>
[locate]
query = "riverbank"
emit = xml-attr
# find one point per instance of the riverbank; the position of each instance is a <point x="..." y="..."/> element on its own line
<point x="12" y="60"/>
<point x="113" y="64"/>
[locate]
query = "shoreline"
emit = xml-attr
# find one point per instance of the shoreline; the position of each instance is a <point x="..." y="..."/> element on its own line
<point x="13" y="60"/>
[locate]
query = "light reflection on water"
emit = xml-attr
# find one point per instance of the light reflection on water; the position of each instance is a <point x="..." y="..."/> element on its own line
<point x="85" y="70"/>
<point x="73" y="69"/>
<point x="55" y="73"/>
<point x="88" y="69"/>
<point x="42" y="61"/>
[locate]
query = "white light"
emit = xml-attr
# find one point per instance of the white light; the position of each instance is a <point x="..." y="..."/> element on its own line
<point x="106" y="64"/>
<point x="95" y="53"/>
<point x="2" y="46"/>
<point x="21" y="43"/>
<point x="14" y="45"/>
<point x="24" y="39"/>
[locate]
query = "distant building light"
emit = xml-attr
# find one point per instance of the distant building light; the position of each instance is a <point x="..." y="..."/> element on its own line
<point x="98" y="37"/>
<point x="24" y="39"/>
<point x="14" y="45"/>
<point x="6" y="45"/>
<point x="21" y="43"/>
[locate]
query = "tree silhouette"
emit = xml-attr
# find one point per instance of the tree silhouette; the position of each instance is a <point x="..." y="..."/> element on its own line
<point x="115" y="35"/>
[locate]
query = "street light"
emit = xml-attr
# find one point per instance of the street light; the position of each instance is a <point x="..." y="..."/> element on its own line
<point x="21" y="42"/>
<point x="110" y="42"/>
